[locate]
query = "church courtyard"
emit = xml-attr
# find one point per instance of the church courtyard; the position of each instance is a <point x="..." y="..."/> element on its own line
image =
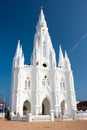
<point x="57" y="125"/>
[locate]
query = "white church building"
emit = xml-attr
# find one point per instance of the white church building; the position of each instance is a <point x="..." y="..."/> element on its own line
<point x="43" y="86"/>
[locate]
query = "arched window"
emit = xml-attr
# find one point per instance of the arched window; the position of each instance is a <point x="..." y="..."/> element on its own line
<point x="44" y="49"/>
<point x="27" y="84"/>
<point x="62" y="85"/>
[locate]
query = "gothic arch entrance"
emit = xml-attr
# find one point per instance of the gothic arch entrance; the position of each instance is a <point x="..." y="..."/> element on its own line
<point x="62" y="107"/>
<point x="45" y="107"/>
<point x="26" y="107"/>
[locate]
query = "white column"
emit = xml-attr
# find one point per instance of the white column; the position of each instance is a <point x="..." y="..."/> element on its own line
<point x="52" y="115"/>
<point x="29" y="117"/>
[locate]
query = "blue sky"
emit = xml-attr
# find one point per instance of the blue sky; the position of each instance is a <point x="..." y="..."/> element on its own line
<point x="67" y="24"/>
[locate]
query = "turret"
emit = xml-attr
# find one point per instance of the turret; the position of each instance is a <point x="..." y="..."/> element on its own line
<point x="67" y="62"/>
<point x="18" y="60"/>
<point x="64" y="62"/>
<point x="43" y="52"/>
<point x="71" y="82"/>
<point x="61" y="58"/>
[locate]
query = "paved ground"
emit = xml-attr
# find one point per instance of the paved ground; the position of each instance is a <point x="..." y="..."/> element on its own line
<point x="62" y="125"/>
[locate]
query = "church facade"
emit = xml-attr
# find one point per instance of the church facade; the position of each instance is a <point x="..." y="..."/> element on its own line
<point x="43" y="85"/>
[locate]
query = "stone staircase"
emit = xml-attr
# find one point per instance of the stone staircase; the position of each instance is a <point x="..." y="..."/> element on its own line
<point x="41" y="118"/>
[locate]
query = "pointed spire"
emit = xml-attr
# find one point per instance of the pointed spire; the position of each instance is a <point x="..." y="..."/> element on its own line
<point x="19" y="51"/>
<point x="19" y="56"/>
<point x="67" y="61"/>
<point x="61" y="58"/>
<point x="42" y="21"/>
<point x="66" y="56"/>
<point x="42" y="17"/>
<point x="18" y="48"/>
<point x="18" y="42"/>
<point x="43" y="44"/>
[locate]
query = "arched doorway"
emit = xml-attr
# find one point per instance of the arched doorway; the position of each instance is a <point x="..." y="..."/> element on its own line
<point x="26" y="107"/>
<point x="62" y="107"/>
<point x="45" y="107"/>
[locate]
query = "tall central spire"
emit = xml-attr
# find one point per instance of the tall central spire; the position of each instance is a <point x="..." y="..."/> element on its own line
<point x="43" y="54"/>
<point x="42" y="21"/>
